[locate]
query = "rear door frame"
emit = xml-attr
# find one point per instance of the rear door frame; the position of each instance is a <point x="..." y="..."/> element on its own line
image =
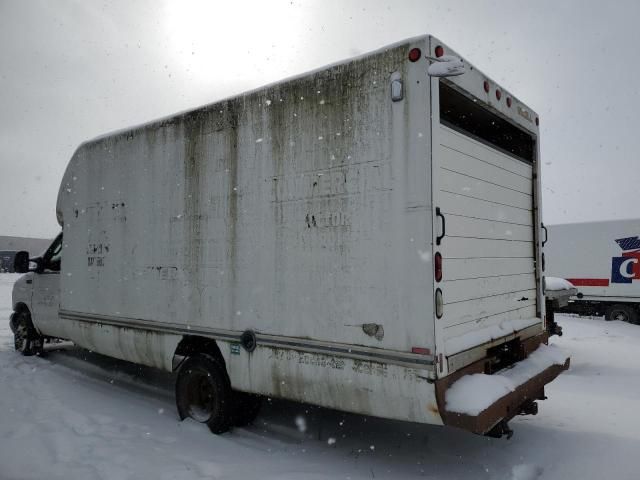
<point x="443" y="367"/>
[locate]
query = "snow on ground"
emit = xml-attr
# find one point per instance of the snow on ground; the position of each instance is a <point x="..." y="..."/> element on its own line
<point x="77" y="415"/>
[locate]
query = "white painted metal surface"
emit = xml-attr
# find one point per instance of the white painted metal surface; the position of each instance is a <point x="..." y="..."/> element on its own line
<point x="304" y="212"/>
<point x="488" y="256"/>
<point x="490" y="203"/>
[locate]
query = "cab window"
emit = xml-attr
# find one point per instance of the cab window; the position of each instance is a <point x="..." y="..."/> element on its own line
<point x="53" y="255"/>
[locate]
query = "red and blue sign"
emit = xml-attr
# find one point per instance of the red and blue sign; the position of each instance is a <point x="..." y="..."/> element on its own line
<point x="626" y="268"/>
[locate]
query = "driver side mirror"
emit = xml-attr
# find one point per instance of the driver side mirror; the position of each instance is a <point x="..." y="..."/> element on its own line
<point x="21" y="262"/>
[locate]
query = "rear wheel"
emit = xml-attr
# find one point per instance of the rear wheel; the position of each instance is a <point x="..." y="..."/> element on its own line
<point x="622" y="312"/>
<point x="26" y="339"/>
<point x="203" y="393"/>
<point x="246" y="407"/>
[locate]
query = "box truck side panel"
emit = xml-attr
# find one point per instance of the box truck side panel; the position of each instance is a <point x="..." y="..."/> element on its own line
<point x="301" y="211"/>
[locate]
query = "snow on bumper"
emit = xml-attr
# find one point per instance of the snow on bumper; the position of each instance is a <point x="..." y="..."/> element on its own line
<point x="477" y="402"/>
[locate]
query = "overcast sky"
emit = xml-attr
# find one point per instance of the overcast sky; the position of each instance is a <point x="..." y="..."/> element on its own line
<point x="72" y="70"/>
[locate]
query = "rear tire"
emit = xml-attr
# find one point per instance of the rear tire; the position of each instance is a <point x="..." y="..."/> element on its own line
<point x="26" y="339"/>
<point x="246" y="407"/>
<point x="622" y="312"/>
<point x="203" y="393"/>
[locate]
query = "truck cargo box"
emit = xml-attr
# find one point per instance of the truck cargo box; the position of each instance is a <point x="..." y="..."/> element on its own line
<point x="352" y="238"/>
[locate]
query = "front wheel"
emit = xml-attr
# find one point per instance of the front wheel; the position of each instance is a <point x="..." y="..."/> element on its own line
<point x="203" y="393"/>
<point x="622" y="312"/>
<point x="25" y="338"/>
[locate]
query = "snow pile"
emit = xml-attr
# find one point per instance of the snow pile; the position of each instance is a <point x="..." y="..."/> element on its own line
<point x="478" y="337"/>
<point x="554" y="283"/>
<point x="474" y="393"/>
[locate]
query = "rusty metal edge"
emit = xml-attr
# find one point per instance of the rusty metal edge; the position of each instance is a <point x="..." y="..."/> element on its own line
<point x="505" y="408"/>
<point x="410" y="360"/>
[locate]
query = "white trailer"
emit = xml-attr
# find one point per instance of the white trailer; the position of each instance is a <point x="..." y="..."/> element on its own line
<point x="359" y="237"/>
<point x="602" y="260"/>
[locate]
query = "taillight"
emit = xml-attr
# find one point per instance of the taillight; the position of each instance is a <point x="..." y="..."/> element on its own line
<point x="439" y="303"/>
<point x="421" y="350"/>
<point x="439" y="51"/>
<point x="437" y="265"/>
<point x="414" y="54"/>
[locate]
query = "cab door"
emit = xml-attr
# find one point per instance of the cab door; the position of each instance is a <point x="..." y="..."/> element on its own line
<point x="46" y="291"/>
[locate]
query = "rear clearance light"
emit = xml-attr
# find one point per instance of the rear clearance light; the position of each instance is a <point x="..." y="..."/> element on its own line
<point x="486" y="86"/>
<point x="421" y="351"/>
<point x="439" y="51"/>
<point x="498" y="94"/>
<point x="414" y="54"/>
<point x="437" y="264"/>
<point x="439" y="303"/>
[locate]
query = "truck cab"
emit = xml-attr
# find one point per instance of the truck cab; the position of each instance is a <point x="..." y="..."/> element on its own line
<point x="36" y="298"/>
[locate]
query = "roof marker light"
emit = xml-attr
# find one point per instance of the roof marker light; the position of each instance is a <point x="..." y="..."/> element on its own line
<point x="414" y="54"/>
<point x="498" y="94"/>
<point x="486" y="86"/>
<point x="509" y="102"/>
<point x="439" y="51"/>
<point x="537" y="121"/>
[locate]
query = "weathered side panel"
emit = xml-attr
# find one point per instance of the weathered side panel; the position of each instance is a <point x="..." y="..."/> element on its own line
<point x="302" y="211"/>
<point x="352" y="385"/>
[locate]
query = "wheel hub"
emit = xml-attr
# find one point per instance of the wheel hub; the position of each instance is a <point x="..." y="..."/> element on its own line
<point x="201" y="397"/>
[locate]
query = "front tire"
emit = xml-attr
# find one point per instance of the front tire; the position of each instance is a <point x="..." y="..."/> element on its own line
<point x="622" y="312"/>
<point x="25" y="338"/>
<point x="203" y="393"/>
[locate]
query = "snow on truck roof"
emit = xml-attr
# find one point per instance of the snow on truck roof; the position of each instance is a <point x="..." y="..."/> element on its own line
<point x="435" y="43"/>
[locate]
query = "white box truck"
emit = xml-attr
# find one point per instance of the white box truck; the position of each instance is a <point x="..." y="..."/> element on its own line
<point x="602" y="260"/>
<point x="359" y="237"/>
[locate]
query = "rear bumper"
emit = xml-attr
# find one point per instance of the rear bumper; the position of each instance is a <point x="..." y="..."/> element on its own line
<point x="503" y="409"/>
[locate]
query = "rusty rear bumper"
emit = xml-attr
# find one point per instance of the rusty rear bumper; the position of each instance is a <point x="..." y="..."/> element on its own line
<point x="503" y="409"/>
